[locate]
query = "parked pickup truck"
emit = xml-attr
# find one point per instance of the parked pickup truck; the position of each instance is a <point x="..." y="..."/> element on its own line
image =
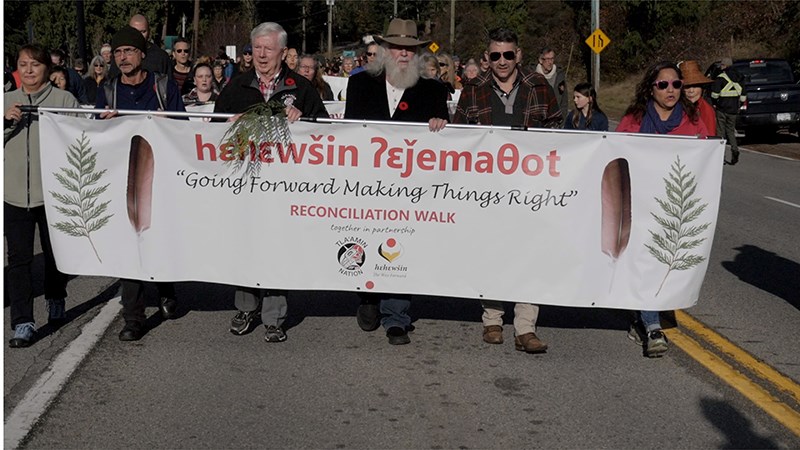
<point x="773" y="98"/>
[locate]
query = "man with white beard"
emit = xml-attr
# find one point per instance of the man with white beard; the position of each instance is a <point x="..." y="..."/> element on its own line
<point x="391" y="89"/>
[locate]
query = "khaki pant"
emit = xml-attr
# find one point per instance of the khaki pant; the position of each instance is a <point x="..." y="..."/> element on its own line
<point x="525" y="315"/>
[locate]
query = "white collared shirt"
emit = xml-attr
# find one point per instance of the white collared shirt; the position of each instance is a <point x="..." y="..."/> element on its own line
<point x="394" y="95"/>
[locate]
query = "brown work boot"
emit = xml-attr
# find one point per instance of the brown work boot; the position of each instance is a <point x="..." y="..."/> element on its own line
<point x="493" y="334"/>
<point x="530" y="343"/>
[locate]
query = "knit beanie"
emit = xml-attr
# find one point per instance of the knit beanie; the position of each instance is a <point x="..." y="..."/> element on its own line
<point x="128" y="36"/>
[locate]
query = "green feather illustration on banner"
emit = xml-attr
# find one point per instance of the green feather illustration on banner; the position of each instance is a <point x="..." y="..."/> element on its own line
<point x="255" y="135"/>
<point x="672" y="244"/>
<point x="85" y="215"/>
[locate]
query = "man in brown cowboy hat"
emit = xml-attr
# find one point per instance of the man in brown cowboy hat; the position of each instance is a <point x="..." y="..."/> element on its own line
<point x="390" y="88"/>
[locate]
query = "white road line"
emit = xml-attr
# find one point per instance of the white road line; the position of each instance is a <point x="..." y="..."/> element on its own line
<point x="19" y="423"/>
<point x="782" y="201"/>
<point x="767" y="154"/>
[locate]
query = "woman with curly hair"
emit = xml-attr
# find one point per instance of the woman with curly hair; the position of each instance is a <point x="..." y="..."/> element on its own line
<point x="660" y="106"/>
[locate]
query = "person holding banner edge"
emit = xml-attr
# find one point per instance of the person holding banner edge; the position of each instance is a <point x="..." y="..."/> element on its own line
<point x="23" y="196"/>
<point x="390" y="88"/>
<point x="141" y="92"/>
<point x="660" y="106"/>
<point x="272" y="80"/>
<point x="508" y="94"/>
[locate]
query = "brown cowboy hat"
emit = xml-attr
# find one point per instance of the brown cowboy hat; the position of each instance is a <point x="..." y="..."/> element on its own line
<point x="401" y="32"/>
<point x="692" y="75"/>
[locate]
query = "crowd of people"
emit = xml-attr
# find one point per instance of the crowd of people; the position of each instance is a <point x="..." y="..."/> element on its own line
<point x="393" y="79"/>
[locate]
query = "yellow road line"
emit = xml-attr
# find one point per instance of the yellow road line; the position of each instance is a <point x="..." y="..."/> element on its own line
<point x="764" y="371"/>
<point x="781" y="412"/>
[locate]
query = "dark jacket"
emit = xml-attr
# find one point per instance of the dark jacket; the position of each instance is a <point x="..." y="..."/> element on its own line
<point x="367" y="99"/>
<point x="727" y="91"/>
<point x="142" y="97"/>
<point x="540" y="107"/>
<point x="242" y="92"/>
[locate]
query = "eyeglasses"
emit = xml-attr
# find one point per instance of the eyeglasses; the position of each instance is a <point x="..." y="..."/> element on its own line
<point x="442" y="64"/>
<point x="98" y="65"/>
<point x="508" y="55"/>
<point x="181" y="50"/>
<point x="247" y="53"/>
<point x="371" y="53"/>
<point x="129" y="51"/>
<point x="663" y="84"/>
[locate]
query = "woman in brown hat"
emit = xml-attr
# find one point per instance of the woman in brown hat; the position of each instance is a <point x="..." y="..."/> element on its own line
<point x="693" y="83"/>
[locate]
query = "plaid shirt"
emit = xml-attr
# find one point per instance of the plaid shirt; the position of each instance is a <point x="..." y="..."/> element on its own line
<point x="541" y="108"/>
<point x="267" y="89"/>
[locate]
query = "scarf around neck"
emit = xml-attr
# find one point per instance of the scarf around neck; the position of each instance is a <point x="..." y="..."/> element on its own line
<point x="652" y="123"/>
<point x="550" y="76"/>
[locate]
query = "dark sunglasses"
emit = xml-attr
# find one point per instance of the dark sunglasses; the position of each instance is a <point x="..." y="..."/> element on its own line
<point x="371" y="53"/>
<point x="248" y="53"/>
<point x="509" y="56"/>
<point x="181" y="50"/>
<point x="441" y="64"/>
<point x="663" y="84"/>
<point x="98" y="65"/>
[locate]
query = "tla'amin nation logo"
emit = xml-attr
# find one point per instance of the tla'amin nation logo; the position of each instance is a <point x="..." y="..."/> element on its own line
<point x="351" y="256"/>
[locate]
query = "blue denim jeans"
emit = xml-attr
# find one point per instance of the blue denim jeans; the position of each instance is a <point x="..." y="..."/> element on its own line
<point x="650" y="320"/>
<point x="395" y="311"/>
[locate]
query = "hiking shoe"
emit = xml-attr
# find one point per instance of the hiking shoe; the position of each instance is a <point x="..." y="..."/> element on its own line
<point x="274" y="334"/>
<point x="132" y="331"/>
<point x="242" y="322"/>
<point x="23" y="335"/>
<point x="56" y="311"/>
<point x="636" y="332"/>
<point x="493" y="334"/>
<point x="168" y="307"/>
<point x="368" y="316"/>
<point x="397" y="336"/>
<point x="529" y="343"/>
<point x="656" y="344"/>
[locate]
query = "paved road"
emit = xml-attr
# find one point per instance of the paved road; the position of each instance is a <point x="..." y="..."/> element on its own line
<point x="191" y="384"/>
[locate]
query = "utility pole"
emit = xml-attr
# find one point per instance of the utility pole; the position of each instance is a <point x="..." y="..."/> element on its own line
<point x="595" y="55"/>
<point x="195" y="28"/>
<point x="303" y="51"/>
<point x="452" y="27"/>
<point x="81" y="33"/>
<point x="330" y="28"/>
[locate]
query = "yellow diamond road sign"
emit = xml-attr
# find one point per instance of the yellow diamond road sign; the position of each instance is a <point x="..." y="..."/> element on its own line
<point x="434" y="47"/>
<point x="598" y="41"/>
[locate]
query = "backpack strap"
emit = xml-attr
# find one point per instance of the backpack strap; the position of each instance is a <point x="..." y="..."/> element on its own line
<point x="160" y="87"/>
<point x="111" y="92"/>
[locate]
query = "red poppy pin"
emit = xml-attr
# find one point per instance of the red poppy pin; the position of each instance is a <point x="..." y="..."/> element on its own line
<point x="289" y="82"/>
<point x="403" y="106"/>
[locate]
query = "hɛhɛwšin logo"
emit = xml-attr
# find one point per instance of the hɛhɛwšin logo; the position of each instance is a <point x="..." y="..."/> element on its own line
<point x="390" y="250"/>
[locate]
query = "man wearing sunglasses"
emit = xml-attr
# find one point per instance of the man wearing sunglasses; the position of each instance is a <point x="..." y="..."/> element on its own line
<point x="182" y="69"/>
<point x="391" y="89"/>
<point x="370" y="54"/>
<point x="509" y="95"/>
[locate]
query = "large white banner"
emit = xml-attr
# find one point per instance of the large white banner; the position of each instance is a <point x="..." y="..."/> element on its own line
<point x="550" y="217"/>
